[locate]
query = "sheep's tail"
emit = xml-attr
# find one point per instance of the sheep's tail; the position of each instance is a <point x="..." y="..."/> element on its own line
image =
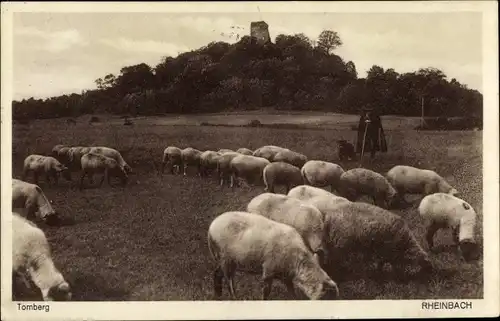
<point x="304" y="177"/>
<point x="264" y="178"/>
<point x="212" y="246"/>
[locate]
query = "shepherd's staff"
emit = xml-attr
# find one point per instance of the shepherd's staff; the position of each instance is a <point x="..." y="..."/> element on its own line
<point x="367" y="123"/>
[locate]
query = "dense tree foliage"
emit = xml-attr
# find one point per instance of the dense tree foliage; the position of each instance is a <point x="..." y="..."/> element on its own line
<point x="293" y="73"/>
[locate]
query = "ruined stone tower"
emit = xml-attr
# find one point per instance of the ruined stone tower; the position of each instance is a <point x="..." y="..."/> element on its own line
<point x="260" y="30"/>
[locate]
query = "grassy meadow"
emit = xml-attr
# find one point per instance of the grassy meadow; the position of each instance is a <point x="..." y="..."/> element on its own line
<point x="147" y="240"/>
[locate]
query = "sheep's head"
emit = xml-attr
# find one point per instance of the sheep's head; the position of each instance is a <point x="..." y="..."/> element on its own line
<point x="60" y="292"/>
<point x="453" y="192"/>
<point x="470" y="250"/>
<point x="65" y="172"/>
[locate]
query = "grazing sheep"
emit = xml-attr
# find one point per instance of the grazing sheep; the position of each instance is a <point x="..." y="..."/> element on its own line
<point x="361" y="229"/>
<point x="268" y="152"/>
<point x="361" y="181"/>
<point x="291" y="157"/>
<point x="31" y="200"/>
<point x="305" y="192"/>
<point x="63" y="155"/>
<point x="254" y="244"/>
<point x="75" y="154"/>
<point x="320" y="174"/>
<point x="112" y="153"/>
<point x="281" y="173"/>
<point x="225" y="150"/>
<point x="305" y="218"/>
<point x="223" y="165"/>
<point x="97" y="163"/>
<point x="172" y="158"/>
<point x="208" y="162"/>
<point x="191" y="157"/>
<point x="245" y="151"/>
<point x="31" y="261"/>
<point x="442" y="210"/>
<point x="346" y="150"/>
<point x="56" y="149"/>
<point x="45" y="165"/>
<point x="249" y="168"/>
<point x="408" y="179"/>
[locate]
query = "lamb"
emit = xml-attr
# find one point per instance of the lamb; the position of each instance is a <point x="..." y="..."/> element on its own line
<point x="281" y="173"/>
<point x="320" y="174"/>
<point x="290" y="157"/>
<point x="442" y="210"/>
<point x="225" y="150"/>
<point x="223" y="165"/>
<point x="208" y="162"/>
<point x="97" y="163"/>
<point x="172" y="158"/>
<point x="45" y="165"/>
<point x="248" y="167"/>
<point x="361" y="181"/>
<point x="305" y="218"/>
<point x="245" y="151"/>
<point x="112" y="153"/>
<point x="268" y="152"/>
<point x="191" y="157"/>
<point x="254" y="244"/>
<point x="408" y="179"/>
<point x="31" y="261"/>
<point x="29" y="199"/>
<point x="361" y="229"/>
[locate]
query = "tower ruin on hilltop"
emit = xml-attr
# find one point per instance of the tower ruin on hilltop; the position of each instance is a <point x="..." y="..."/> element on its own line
<point x="260" y="30"/>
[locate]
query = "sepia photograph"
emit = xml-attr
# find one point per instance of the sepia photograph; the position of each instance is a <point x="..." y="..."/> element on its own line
<point x="240" y="160"/>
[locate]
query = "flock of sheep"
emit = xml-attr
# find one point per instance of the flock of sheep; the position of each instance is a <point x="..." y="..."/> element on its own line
<point x="303" y="238"/>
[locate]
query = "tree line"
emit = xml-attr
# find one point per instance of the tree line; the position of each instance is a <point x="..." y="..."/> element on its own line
<point x="293" y="73"/>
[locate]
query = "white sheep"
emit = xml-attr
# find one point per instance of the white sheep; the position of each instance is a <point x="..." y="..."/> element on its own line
<point x="31" y="261"/>
<point x="249" y="168"/>
<point x="320" y="174"/>
<point x="56" y="149"/>
<point x="281" y="173"/>
<point x="30" y="199"/>
<point x="45" y="165"/>
<point x="442" y="210"/>
<point x="252" y="243"/>
<point x="112" y="153"/>
<point x="268" y="152"/>
<point x="191" y="157"/>
<point x="357" y="182"/>
<point x="304" y="192"/>
<point x="208" y="162"/>
<point x="291" y="157"/>
<point x="100" y="164"/>
<point x="361" y="229"/>
<point x="408" y="179"/>
<point x="223" y="166"/>
<point x="225" y="150"/>
<point x="305" y="218"/>
<point x="172" y="158"/>
<point x="245" y="151"/>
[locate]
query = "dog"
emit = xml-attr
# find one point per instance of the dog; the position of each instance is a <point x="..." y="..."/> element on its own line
<point x="346" y="150"/>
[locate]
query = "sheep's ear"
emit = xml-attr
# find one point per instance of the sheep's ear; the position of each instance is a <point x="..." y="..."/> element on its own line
<point x="466" y="206"/>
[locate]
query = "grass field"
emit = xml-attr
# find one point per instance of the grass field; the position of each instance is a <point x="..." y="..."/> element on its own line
<point x="147" y="241"/>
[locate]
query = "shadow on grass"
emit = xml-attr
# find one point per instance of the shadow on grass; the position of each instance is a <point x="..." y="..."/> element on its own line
<point x="89" y="287"/>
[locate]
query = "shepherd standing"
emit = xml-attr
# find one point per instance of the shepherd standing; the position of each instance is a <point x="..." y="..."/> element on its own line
<point x="371" y="133"/>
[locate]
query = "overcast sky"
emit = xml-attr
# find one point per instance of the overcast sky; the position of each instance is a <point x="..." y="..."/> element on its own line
<point x="57" y="53"/>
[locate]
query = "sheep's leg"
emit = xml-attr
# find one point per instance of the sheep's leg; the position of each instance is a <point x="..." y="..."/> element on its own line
<point x="290" y="288"/>
<point x="106" y="173"/>
<point x="185" y="168"/>
<point x="287" y="189"/>
<point x="455" y="235"/>
<point x="431" y="230"/>
<point x="35" y="177"/>
<point x="232" y="180"/>
<point x="229" y="268"/>
<point x="81" y="179"/>
<point x="267" y="283"/>
<point x="47" y="177"/>
<point x="218" y="280"/>
<point x="56" y="178"/>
